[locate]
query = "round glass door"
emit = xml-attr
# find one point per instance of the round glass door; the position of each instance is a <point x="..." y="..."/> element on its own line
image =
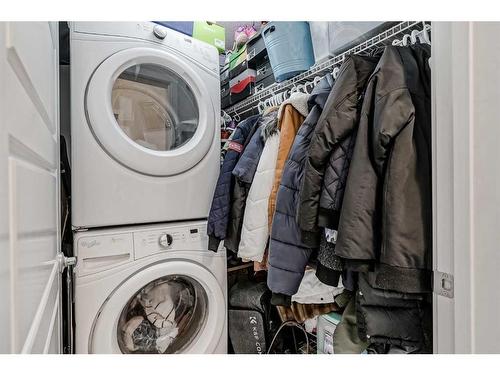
<point x="154" y="107"/>
<point x="151" y="110"/>
<point x="164" y="316"/>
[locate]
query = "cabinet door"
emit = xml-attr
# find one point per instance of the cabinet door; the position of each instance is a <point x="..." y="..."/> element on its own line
<point x="30" y="314"/>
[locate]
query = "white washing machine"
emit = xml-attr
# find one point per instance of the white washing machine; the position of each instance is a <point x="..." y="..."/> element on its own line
<point x="145" y="123"/>
<point x="150" y="289"/>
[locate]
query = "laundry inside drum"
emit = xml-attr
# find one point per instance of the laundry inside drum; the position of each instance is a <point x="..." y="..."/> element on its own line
<point x="163" y="317"/>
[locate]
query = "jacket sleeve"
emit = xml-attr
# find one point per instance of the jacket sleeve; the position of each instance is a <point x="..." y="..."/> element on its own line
<point x="332" y="127"/>
<point x="219" y="211"/>
<point x="391" y="114"/>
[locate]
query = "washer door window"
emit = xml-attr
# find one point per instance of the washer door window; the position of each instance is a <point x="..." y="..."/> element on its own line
<point x="163" y="317"/>
<point x="150" y="111"/>
<point x="169" y="307"/>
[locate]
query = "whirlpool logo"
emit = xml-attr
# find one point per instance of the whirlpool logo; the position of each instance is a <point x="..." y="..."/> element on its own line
<point x="253" y="326"/>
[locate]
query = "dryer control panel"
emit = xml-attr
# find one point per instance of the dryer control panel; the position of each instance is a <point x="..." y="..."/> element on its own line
<point x="172" y="238"/>
<point x="198" y="51"/>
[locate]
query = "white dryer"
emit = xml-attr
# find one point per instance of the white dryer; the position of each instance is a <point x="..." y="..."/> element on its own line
<point x="150" y="289"/>
<point x="145" y="123"/>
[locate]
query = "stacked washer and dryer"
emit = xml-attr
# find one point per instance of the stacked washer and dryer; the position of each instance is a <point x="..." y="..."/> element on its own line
<point x="145" y="107"/>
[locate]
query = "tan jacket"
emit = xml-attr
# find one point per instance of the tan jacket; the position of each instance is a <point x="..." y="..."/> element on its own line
<point x="292" y="115"/>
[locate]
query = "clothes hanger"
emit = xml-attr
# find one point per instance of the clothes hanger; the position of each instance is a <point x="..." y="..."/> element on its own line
<point x="273" y="100"/>
<point x="420" y="36"/>
<point x="309" y="84"/>
<point x="425" y="34"/>
<point x="335" y="72"/>
<point x="260" y="106"/>
<point x="281" y="97"/>
<point x="414" y="36"/>
<point x="407" y="40"/>
<point x="226" y="115"/>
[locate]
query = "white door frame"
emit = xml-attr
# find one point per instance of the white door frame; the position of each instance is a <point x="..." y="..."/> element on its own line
<point x="466" y="180"/>
<point x="451" y="183"/>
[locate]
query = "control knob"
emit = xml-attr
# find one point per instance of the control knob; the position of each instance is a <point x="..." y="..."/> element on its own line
<point x="159" y="32"/>
<point x="165" y="240"/>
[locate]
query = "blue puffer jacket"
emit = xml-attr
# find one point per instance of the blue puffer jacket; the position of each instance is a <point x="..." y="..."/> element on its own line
<point x="288" y="256"/>
<point x="218" y="217"/>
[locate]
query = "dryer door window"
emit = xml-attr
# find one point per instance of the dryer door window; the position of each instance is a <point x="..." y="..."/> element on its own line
<point x="151" y="110"/>
<point x="154" y="107"/>
<point x="164" y="316"/>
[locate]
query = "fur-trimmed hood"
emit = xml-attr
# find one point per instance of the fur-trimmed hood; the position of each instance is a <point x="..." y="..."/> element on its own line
<point x="269" y="124"/>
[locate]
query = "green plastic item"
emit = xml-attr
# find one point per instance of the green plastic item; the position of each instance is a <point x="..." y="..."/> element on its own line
<point x="238" y="57"/>
<point x="210" y="33"/>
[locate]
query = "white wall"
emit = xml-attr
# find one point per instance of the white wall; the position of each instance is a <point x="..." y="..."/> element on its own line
<point x="486" y="187"/>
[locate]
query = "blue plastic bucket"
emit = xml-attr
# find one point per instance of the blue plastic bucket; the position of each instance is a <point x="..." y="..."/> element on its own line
<point x="289" y="47"/>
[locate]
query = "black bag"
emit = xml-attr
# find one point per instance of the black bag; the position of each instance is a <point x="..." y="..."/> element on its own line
<point x="250" y="322"/>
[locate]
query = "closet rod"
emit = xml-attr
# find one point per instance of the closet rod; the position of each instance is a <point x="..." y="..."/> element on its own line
<point x="325" y="67"/>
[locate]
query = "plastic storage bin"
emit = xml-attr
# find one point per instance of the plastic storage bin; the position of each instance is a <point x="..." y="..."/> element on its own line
<point x="256" y="49"/>
<point x="239" y="83"/>
<point x="210" y="33"/>
<point x="345" y="35"/>
<point x="327" y="324"/>
<point x="224" y="75"/>
<point x="332" y="38"/>
<point x="289" y="47"/>
<point x="321" y="42"/>
<point x="238" y="62"/>
<point x="265" y="77"/>
<point x="242" y="86"/>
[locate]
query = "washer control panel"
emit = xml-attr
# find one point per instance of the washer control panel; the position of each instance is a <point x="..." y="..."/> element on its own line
<point x="172" y="238"/>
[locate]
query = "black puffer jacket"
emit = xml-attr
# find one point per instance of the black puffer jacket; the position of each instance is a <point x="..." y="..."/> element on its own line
<point x="218" y="217"/>
<point x="387" y="212"/>
<point x="330" y="151"/>
<point x="244" y="173"/>
<point x="288" y="256"/>
<point x="393" y="320"/>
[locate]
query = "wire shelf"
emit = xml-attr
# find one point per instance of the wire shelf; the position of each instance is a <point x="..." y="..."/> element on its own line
<point x="380" y="40"/>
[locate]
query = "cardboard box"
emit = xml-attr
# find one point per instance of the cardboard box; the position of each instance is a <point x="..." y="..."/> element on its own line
<point x="210" y="33"/>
